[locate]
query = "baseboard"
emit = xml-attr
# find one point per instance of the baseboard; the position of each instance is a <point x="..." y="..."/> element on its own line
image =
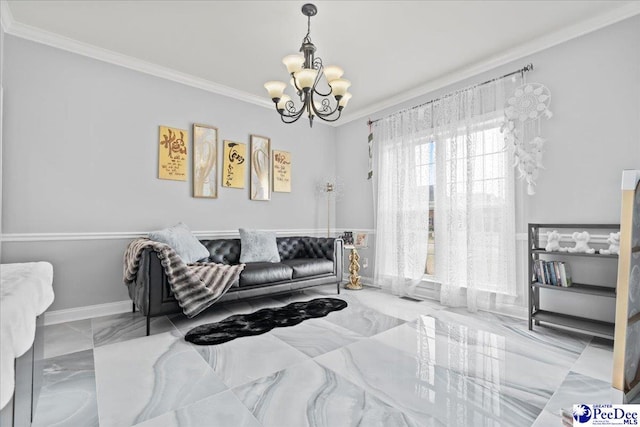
<point x="86" y="312"/>
<point x="366" y="281"/>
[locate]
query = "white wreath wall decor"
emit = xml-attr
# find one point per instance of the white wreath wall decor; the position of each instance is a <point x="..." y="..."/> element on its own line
<point x="521" y="128"/>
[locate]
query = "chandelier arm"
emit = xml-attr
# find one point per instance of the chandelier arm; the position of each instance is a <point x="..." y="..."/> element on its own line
<point x="295" y="119"/>
<point x="291" y="112"/>
<point x="326" y="107"/>
<point x="290" y="108"/>
<point x="290" y="115"/>
<point x="324" y="115"/>
<point x="322" y="94"/>
<point x="317" y="64"/>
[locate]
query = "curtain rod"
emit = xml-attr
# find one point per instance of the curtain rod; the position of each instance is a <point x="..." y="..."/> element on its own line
<point x="521" y="71"/>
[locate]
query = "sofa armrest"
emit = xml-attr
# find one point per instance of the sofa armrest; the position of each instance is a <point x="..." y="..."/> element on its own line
<point x="138" y="289"/>
<point x="338" y="262"/>
<point x="150" y="288"/>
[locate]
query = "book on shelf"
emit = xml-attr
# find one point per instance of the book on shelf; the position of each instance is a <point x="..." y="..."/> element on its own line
<point x="554" y="273"/>
<point x="566" y="271"/>
<point x="547" y="273"/>
<point x="556" y="267"/>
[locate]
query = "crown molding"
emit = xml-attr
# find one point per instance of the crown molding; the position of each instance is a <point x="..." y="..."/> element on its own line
<point x="15" y="28"/>
<point x="514" y="54"/>
<point x="38" y="35"/>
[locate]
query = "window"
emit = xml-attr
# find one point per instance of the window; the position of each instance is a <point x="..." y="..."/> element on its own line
<point x="481" y="161"/>
<point x="426" y="176"/>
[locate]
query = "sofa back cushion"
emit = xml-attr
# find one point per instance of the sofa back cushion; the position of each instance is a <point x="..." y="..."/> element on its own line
<point x="227" y="251"/>
<point x="223" y="251"/>
<point x="305" y="247"/>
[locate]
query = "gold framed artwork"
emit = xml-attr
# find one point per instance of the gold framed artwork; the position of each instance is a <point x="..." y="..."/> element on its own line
<point x="260" y="168"/>
<point x="172" y="154"/>
<point x="281" y="171"/>
<point x="234" y="164"/>
<point x="205" y="161"/>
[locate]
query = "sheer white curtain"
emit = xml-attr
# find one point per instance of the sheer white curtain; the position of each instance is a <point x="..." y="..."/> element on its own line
<point x="474" y="209"/>
<point x="402" y="205"/>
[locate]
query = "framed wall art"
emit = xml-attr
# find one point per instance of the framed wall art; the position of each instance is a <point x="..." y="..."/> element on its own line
<point x="172" y="154"/>
<point x="361" y="240"/>
<point x="281" y="171"/>
<point x="234" y="164"/>
<point x="260" y="168"/>
<point x="205" y="161"/>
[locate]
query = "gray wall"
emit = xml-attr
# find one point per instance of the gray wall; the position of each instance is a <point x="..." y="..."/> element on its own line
<point x="80" y="154"/>
<point x="594" y="134"/>
<point x="80" y="150"/>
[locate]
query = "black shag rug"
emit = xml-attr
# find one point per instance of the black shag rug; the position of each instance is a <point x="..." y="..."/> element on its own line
<point x="240" y="325"/>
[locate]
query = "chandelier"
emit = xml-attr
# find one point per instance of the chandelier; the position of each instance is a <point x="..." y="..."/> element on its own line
<point x="306" y="72"/>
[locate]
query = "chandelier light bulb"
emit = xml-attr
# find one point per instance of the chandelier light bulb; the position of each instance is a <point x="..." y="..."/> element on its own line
<point x="293" y="63"/>
<point x="332" y="73"/>
<point x="339" y="87"/>
<point x="275" y="89"/>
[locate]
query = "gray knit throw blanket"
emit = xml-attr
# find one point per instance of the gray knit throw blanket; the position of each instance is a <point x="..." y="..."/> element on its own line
<point x="195" y="286"/>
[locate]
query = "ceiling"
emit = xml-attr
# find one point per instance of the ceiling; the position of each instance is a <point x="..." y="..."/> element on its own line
<point x="390" y="50"/>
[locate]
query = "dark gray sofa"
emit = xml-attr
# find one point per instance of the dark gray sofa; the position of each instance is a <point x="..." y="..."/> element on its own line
<point x="304" y="262"/>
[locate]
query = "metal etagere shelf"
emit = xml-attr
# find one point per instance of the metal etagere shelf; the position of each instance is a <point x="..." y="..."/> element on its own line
<point x="537" y="315"/>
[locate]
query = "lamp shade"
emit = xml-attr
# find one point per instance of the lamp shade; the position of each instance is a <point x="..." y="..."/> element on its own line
<point x="333" y="73"/>
<point x="293" y="63"/>
<point x="344" y="100"/>
<point x="339" y="87"/>
<point x="275" y="89"/>
<point x="306" y="77"/>
<point x="283" y="102"/>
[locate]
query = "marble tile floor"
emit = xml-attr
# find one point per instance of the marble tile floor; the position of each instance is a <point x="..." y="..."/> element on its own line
<point x="382" y="361"/>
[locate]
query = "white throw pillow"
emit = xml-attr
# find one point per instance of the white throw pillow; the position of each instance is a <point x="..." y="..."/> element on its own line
<point x="258" y="246"/>
<point x="186" y="245"/>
